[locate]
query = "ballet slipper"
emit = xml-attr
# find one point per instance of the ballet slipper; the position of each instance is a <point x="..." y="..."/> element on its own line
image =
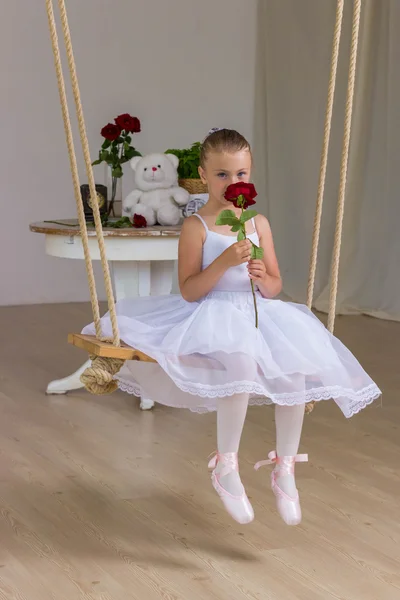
<point x="288" y="507"/>
<point x="238" y="507"/>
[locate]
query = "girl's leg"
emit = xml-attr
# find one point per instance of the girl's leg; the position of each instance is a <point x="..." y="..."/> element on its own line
<point x="225" y="476"/>
<point x="289" y="423"/>
<point x="231" y="415"/>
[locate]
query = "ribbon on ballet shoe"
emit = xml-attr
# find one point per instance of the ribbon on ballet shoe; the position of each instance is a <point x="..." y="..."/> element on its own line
<point x="274" y="459"/>
<point x="301" y="458"/>
<point x="229" y="462"/>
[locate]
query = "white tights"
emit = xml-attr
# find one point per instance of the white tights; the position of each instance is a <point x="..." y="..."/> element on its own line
<point x="230" y="420"/>
<point x="288" y="424"/>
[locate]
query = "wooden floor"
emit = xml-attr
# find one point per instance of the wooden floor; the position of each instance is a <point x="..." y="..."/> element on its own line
<point x="99" y="501"/>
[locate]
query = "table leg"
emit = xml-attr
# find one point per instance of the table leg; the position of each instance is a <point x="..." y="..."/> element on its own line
<point x="67" y="384"/>
<point x="131" y="279"/>
<point x="142" y="278"/>
<point x="162" y="273"/>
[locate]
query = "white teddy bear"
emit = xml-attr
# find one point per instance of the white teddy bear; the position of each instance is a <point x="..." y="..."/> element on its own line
<point x="158" y="195"/>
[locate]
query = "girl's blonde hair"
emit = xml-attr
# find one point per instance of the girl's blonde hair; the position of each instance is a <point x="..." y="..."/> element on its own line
<point x="223" y="140"/>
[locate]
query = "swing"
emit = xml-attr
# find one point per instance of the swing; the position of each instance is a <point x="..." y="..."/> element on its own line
<point x="108" y="355"/>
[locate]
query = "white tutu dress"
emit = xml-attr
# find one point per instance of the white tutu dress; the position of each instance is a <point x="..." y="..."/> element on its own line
<point x="211" y="348"/>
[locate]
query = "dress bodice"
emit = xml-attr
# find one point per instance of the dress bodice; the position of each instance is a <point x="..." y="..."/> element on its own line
<point x="235" y="279"/>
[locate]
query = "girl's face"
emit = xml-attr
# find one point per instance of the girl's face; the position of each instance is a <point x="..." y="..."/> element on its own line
<point x="223" y="169"/>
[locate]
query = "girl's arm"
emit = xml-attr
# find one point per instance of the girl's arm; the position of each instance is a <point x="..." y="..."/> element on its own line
<point x="193" y="282"/>
<point x="265" y="272"/>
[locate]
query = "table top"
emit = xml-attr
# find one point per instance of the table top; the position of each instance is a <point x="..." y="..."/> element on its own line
<point x="70" y="227"/>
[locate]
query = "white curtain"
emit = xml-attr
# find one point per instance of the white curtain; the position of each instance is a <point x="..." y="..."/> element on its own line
<point x="293" y="62"/>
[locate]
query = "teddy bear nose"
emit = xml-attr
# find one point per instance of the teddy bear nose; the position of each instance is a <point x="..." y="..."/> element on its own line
<point x="154" y="168"/>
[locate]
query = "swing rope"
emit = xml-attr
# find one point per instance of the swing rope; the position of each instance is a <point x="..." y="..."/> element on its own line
<point x="325" y="150"/>
<point x="98" y="378"/>
<point x="344" y="163"/>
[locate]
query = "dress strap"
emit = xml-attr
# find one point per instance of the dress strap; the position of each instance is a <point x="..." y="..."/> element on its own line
<point x="202" y="220"/>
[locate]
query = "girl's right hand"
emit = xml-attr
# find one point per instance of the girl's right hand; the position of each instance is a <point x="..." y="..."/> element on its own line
<point x="237" y="254"/>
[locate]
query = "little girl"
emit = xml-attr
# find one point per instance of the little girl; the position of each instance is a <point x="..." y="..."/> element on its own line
<point x="210" y="356"/>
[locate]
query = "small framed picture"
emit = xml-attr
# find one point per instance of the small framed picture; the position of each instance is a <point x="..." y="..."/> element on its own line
<point x="101" y="198"/>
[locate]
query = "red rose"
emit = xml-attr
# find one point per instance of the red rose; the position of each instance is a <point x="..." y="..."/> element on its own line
<point x="130" y="124"/>
<point x="139" y="221"/>
<point x="241" y="194"/>
<point x="135" y="125"/>
<point x="111" y="132"/>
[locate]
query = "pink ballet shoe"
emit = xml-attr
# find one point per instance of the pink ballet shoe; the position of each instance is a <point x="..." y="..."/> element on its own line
<point x="238" y="507"/>
<point x="288" y="508"/>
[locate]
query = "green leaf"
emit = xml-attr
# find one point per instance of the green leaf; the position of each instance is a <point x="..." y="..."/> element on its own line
<point x="122" y="223"/>
<point x="256" y="252"/>
<point x="117" y="171"/>
<point x="236" y="227"/>
<point x="228" y="213"/>
<point x="241" y="235"/>
<point x="226" y="221"/>
<point x="247" y="215"/>
<point x="227" y="217"/>
<point x="130" y="153"/>
<point x="106" y="144"/>
<point x="104" y="155"/>
<point x="97" y="162"/>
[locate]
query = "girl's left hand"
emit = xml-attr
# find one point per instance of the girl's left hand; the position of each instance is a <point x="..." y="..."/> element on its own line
<point x="257" y="269"/>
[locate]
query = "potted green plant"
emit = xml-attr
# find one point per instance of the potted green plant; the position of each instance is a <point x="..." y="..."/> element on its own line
<point x="188" y="174"/>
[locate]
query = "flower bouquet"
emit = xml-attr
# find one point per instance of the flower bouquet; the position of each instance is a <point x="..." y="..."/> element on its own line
<point x="117" y="149"/>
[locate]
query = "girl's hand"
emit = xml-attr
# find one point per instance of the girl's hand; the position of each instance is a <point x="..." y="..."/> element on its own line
<point x="257" y="270"/>
<point x="237" y="254"/>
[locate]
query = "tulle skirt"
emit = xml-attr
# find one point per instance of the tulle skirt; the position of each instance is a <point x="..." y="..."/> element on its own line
<point x="211" y="349"/>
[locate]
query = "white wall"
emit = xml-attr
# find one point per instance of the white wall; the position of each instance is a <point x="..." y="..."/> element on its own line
<point x="181" y="66"/>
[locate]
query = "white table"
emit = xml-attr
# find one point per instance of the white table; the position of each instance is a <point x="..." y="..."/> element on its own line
<point x="142" y="263"/>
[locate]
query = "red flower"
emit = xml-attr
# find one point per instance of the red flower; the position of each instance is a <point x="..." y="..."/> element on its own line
<point x="130" y="124"/>
<point x="136" y="125"/>
<point x="111" y="132"/>
<point x="139" y="221"/>
<point x="241" y="194"/>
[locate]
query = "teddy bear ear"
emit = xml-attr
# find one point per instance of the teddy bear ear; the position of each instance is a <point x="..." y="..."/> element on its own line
<point x="174" y="159"/>
<point x="134" y="162"/>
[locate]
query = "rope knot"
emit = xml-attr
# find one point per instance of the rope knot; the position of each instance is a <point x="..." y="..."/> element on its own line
<point x="99" y="377"/>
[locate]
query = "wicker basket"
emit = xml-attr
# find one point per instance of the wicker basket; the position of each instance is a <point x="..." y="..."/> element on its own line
<point x="193" y="186"/>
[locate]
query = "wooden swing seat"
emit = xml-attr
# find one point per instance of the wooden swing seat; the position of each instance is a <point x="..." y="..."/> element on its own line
<point x="105" y="349"/>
